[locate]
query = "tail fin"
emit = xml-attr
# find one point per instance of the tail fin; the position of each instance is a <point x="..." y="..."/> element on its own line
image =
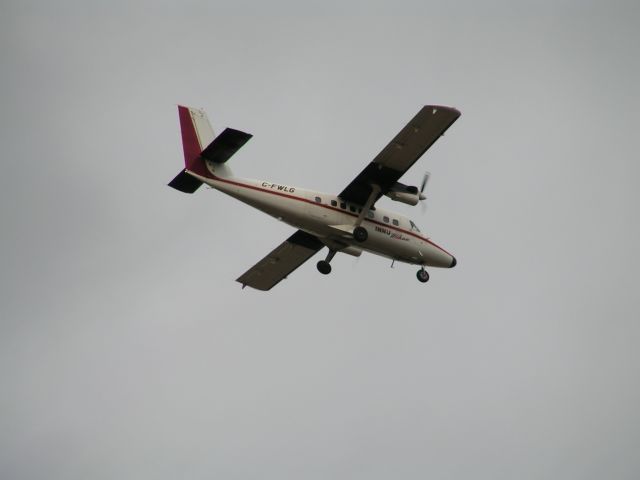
<point x="199" y="143"/>
<point x="196" y="135"/>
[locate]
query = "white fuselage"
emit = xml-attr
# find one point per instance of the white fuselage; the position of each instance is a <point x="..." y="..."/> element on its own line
<point x="329" y="218"/>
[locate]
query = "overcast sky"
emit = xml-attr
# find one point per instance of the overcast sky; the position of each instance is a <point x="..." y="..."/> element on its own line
<point x="128" y="351"/>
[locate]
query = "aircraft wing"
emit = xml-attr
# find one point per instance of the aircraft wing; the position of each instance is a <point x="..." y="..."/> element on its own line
<point x="283" y="260"/>
<point x="401" y="153"/>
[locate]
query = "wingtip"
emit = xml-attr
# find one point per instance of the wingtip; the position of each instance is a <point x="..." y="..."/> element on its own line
<point x="435" y="108"/>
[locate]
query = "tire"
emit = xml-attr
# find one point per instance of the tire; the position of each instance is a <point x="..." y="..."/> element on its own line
<point x="422" y="275"/>
<point x="324" y="267"/>
<point x="360" y="234"/>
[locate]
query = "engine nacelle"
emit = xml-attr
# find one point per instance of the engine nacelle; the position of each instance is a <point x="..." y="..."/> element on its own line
<point x="405" y="194"/>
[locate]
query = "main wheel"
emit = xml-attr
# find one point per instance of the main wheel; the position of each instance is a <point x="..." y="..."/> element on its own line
<point x="423" y="275"/>
<point x="360" y="234"/>
<point x="324" y="267"/>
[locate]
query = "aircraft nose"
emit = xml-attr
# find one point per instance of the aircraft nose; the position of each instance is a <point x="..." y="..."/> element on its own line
<point x="454" y="262"/>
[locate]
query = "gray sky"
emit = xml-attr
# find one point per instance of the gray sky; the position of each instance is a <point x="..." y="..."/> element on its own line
<point x="127" y="350"/>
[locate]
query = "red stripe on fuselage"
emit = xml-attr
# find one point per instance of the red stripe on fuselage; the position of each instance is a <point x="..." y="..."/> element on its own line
<point x="300" y="199"/>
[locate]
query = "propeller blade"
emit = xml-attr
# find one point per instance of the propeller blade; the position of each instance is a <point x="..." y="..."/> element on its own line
<point x="425" y="179"/>
<point x="422" y="196"/>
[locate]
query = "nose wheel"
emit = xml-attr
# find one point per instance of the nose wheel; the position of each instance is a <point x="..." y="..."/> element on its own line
<point x="423" y="275"/>
<point x="323" y="266"/>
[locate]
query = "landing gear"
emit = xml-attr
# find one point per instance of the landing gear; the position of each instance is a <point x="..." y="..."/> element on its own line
<point x="423" y="275"/>
<point x="360" y="234"/>
<point x="324" y="267"/>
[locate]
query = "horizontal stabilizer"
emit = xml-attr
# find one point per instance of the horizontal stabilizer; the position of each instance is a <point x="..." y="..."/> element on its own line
<point x="185" y="183"/>
<point x="225" y="145"/>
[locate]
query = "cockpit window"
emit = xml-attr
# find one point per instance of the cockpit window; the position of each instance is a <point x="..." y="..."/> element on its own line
<point x="414" y="227"/>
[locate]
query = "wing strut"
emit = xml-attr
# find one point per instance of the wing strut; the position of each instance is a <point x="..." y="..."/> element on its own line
<point x="360" y="233"/>
<point x="375" y="190"/>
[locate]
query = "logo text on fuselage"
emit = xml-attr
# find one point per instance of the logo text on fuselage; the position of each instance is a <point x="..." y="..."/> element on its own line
<point x="392" y="234"/>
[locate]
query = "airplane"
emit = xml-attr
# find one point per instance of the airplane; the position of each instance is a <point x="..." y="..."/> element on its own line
<point x="347" y="222"/>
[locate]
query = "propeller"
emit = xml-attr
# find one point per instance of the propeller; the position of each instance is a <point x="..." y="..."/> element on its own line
<point x="422" y="196"/>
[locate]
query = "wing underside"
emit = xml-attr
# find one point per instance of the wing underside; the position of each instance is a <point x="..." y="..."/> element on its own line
<point x="401" y="153"/>
<point x="283" y="260"/>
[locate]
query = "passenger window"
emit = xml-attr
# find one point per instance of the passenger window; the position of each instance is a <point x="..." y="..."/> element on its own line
<point x="343" y="205"/>
<point x="395" y="222"/>
<point x="318" y="200"/>
<point x="385" y="219"/>
<point x="352" y="208"/>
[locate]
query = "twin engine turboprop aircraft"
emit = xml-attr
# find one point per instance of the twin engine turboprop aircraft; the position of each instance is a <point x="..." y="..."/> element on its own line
<point x="347" y="222"/>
